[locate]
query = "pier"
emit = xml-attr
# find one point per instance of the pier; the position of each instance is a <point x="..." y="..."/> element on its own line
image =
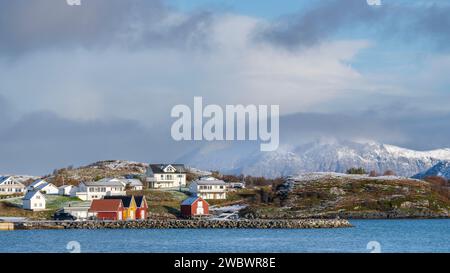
<point x="6" y="226"/>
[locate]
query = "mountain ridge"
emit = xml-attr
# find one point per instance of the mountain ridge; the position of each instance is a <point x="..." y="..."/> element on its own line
<point x="316" y="156"/>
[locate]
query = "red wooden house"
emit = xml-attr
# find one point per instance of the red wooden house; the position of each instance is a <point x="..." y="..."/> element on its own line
<point x="141" y="207"/>
<point x="194" y="206"/>
<point x="106" y="209"/>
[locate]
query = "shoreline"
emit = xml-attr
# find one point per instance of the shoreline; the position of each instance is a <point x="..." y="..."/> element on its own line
<point x="188" y="224"/>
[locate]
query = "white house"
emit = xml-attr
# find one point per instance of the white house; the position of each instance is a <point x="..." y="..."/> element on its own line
<point x="36" y="183"/>
<point x="34" y="200"/>
<point x="67" y="190"/>
<point x="43" y="186"/>
<point x="98" y="189"/>
<point x="9" y="185"/>
<point x="209" y="188"/>
<point x="80" y="210"/>
<point x="166" y="176"/>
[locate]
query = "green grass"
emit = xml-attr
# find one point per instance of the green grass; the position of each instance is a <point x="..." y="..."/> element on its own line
<point x="57" y="202"/>
<point x="13" y="207"/>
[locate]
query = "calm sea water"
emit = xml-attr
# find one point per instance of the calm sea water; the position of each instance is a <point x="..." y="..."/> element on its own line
<point x="392" y="236"/>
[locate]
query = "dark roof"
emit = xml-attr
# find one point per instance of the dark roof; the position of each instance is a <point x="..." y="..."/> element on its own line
<point x="31" y="194"/>
<point x="139" y="201"/>
<point x="191" y="200"/>
<point x="126" y="200"/>
<point x="104" y="205"/>
<point x="158" y="168"/>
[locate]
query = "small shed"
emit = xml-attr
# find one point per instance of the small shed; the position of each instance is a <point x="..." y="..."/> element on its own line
<point x="105" y="209"/>
<point x="194" y="206"/>
<point x="67" y="190"/>
<point x="141" y="207"/>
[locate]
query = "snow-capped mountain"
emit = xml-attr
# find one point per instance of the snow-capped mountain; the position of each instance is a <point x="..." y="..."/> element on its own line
<point x="318" y="156"/>
<point x="440" y="169"/>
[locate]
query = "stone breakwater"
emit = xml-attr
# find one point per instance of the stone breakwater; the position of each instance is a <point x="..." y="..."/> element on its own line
<point x="180" y="224"/>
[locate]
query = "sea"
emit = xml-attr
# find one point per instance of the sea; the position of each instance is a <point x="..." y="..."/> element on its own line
<point x="380" y="236"/>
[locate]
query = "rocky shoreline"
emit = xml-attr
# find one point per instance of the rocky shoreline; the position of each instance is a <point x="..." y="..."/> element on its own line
<point x="189" y="224"/>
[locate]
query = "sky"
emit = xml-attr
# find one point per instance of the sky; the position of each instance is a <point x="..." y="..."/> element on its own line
<point x="98" y="81"/>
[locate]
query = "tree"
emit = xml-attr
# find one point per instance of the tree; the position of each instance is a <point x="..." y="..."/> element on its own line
<point x="389" y="173"/>
<point x="356" y="171"/>
<point x="373" y="173"/>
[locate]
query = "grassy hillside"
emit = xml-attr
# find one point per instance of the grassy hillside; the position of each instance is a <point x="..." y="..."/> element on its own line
<point x="354" y="197"/>
<point x="97" y="171"/>
<point x="13" y="207"/>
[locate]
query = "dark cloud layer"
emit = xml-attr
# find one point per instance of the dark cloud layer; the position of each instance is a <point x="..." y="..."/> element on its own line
<point x="406" y="21"/>
<point x="39" y="142"/>
<point x="31" y="25"/>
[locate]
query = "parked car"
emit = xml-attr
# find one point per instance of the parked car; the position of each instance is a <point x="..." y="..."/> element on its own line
<point x="63" y="216"/>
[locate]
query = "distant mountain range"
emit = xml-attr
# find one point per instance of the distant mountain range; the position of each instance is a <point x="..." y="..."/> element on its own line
<point x="317" y="156"/>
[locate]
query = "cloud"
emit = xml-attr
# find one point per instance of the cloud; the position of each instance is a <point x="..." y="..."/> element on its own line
<point x="52" y="24"/>
<point x="403" y="126"/>
<point x="40" y="142"/>
<point x="414" y="22"/>
<point x="98" y="81"/>
<point x="145" y="84"/>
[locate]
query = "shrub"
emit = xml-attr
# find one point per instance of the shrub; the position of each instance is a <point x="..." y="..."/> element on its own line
<point x="356" y="171"/>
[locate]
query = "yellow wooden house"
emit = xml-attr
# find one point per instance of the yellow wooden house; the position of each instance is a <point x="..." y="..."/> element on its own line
<point x="129" y="204"/>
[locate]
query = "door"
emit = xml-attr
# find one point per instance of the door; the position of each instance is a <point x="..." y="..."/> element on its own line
<point x="200" y="210"/>
<point x="132" y="215"/>
<point x="119" y="216"/>
<point x="142" y="214"/>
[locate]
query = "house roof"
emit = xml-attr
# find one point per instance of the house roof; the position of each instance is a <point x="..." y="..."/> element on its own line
<point x="4" y="178"/>
<point x="114" y="182"/>
<point x="209" y="181"/>
<point x="126" y="200"/>
<point x="133" y="182"/>
<point x="31" y="194"/>
<point x="159" y="168"/>
<point x="37" y="182"/>
<point x="139" y="201"/>
<point x="44" y="185"/>
<point x="104" y="205"/>
<point x="191" y="200"/>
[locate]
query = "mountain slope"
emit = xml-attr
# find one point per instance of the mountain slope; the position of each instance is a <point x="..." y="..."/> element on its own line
<point x="318" y="156"/>
<point x="440" y="169"/>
